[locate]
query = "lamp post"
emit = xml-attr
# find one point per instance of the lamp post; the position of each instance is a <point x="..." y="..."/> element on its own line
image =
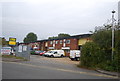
<point x="113" y="33"/>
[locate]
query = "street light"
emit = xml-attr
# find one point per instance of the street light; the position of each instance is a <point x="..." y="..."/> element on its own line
<point x="113" y="33"/>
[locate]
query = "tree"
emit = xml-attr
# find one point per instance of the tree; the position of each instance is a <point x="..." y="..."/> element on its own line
<point x="61" y="35"/>
<point x="31" y="37"/>
<point x="98" y="54"/>
<point x="4" y="42"/>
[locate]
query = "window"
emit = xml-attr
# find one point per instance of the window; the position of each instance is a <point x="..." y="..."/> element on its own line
<point x="55" y="52"/>
<point x="51" y="42"/>
<point x="56" y="42"/>
<point x="67" y="41"/>
<point x="60" y="41"/>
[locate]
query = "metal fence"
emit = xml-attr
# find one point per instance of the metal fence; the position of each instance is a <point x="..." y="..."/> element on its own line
<point x="23" y="51"/>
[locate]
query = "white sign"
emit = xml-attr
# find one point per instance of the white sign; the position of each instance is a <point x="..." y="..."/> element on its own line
<point x="24" y="48"/>
<point x="65" y="47"/>
<point x="51" y="47"/>
<point x="20" y="48"/>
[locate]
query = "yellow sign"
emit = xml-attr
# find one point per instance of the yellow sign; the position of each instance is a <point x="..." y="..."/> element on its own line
<point x="12" y="41"/>
<point x="82" y="41"/>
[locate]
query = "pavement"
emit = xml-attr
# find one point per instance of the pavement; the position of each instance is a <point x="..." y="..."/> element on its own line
<point x="108" y="72"/>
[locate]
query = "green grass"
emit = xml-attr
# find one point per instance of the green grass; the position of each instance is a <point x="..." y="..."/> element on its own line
<point x="11" y="56"/>
<point x="8" y="56"/>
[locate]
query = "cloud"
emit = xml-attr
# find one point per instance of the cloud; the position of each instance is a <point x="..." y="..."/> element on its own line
<point x="51" y="17"/>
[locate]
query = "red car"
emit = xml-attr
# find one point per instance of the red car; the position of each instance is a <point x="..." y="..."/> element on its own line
<point x="42" y="53"/>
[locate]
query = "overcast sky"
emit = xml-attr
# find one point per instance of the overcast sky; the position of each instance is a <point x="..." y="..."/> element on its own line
<point x="50" y="17"/>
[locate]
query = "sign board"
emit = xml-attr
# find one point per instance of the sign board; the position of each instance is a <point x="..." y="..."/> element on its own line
<point x="24" y="48"/>
<point x="51" y="47"/>
<point x="20" y="48"/>
<point x="12" y="41"/>
<point x="63" y="48"/>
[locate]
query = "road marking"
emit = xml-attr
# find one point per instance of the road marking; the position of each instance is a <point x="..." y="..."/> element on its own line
<point x="66" y="70"/>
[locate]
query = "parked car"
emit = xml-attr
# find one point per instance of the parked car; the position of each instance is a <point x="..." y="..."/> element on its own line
<point x="37" y="52"/>
<point x="42" y="53"/>
<point x="75" y="55"/>
<point x="7" y="51"/>
<point x="55" y="53"/>
<point x="32" y="52"/>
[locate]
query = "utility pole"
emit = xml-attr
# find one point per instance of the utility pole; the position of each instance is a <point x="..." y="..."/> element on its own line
<point x="113" y="33"/>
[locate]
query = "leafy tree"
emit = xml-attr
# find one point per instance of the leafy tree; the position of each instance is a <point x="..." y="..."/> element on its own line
<point x="60" y="36"/>
<point x="31" y="37"/>
<point x="52" y="37"/>
<point x="98" y="53"/>
<point x="63" y="35"/>
<point x="4" y="42"/>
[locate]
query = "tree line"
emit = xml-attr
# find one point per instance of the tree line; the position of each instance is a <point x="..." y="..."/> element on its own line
<point x="32" y="37"/>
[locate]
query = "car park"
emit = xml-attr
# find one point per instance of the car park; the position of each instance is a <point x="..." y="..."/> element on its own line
<point x="55" y="53"/>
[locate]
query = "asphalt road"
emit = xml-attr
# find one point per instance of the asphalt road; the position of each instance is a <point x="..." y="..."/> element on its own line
<point x="48" y="68"/>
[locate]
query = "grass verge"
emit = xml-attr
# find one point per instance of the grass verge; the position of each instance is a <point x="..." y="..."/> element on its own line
<point x="11" y="56"/>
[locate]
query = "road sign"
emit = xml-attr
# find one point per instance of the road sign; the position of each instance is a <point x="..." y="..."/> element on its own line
<point x="12" y="41"/>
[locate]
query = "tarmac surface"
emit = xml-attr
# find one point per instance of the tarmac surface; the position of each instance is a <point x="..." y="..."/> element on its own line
<point x="57" y="63"/>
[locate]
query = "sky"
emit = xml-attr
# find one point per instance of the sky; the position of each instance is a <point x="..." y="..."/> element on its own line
<point x="48" y="18"/>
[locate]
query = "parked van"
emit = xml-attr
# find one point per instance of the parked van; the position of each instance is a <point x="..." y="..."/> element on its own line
<point x="7" y="51"/>
<point x="55" y="53"/>
<point x="75" y="55"/>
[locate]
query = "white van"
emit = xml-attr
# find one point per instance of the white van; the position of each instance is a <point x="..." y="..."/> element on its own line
<point x="75" y="55"/>
<point x="7" y="51"/>
<point x="55" y="53"/>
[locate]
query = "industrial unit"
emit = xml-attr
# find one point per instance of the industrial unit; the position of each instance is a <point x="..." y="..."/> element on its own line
<point x="64" y="43"/>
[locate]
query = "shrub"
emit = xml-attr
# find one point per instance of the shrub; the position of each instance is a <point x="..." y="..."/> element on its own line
<point x="90" y="55"/>
<point x="97" y="54"/>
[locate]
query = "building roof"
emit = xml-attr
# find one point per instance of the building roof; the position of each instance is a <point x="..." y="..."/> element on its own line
<point x="70" y="37"/>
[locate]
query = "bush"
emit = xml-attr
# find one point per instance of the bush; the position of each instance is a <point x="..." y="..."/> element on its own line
<point x="98" y="54"/>
<point x="90" y="55"/>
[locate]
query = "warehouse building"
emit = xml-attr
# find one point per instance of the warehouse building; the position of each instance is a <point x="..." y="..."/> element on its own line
<point x="65" y="43"/>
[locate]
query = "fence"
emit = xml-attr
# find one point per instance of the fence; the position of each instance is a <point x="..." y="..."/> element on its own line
<point x="23" y="51"/>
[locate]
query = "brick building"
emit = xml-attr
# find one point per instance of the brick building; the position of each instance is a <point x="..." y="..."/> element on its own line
<point x="65" y="43"/>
